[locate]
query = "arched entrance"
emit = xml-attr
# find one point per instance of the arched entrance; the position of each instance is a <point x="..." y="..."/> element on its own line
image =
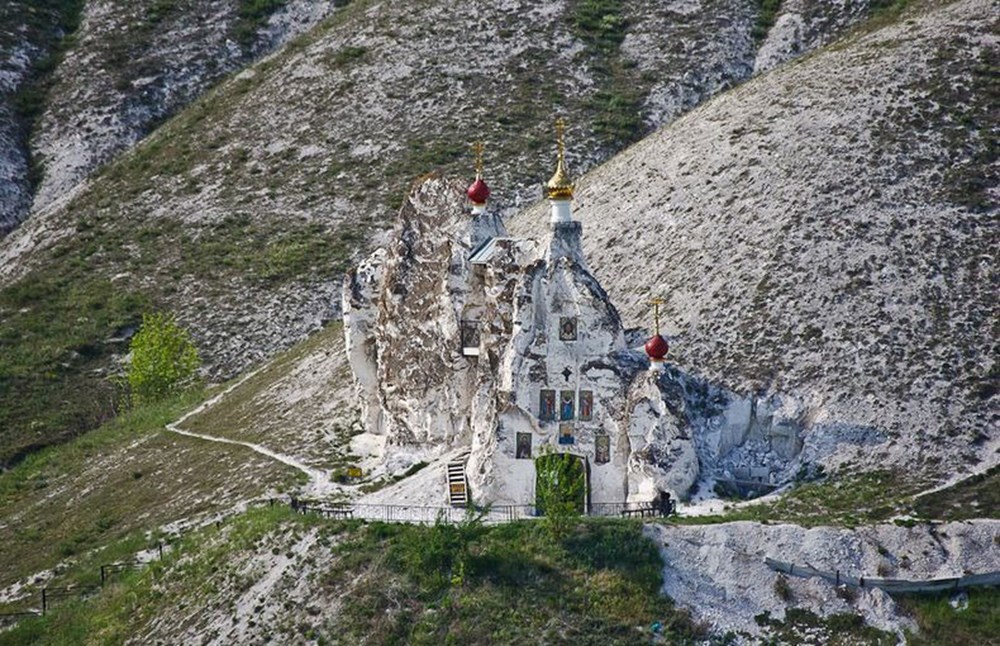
<point x="562" y="479"/>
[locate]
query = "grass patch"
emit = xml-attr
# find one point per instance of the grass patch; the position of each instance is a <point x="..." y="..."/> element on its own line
<point x="127" y="476"/>
<point x="849" y="501"/>
<point x="975" y="497"/>
<point x="56" y="336"/>
<point x="767" y="12"/>
<point x="399" y="583"/>
<point x="252" y="15"/>
<point x="940" y="623"/>
<point x="617" y="103"/>
<point x="259" y="411"/>
<point x="804" y="626"/>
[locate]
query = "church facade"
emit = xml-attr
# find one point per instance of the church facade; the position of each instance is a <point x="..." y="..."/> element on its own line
<point x="462" y="337"/>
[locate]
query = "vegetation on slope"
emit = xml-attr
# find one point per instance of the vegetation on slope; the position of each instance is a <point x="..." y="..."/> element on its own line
<point x="388" y="584"/>
<point x="270" y="575"/>
<point x="128" y="476"/>
<point x="852" y="500"/>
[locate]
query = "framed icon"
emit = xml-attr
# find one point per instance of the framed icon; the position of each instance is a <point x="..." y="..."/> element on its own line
<point x="523" y="448"/>
<point x="566" y="434"/>
<point x="566" y="404"/>
<point x="586" y="405"/>
<point x="567" y="328"/>
<point x="547" y="405"/>
<point x="602" y="449"/>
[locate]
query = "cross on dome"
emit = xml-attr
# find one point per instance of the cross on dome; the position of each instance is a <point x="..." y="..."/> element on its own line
<point x="656" y="347"/>
<point x="478" y="192"/>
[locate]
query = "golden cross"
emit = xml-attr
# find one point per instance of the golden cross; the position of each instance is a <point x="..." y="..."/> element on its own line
<point x="478" y="148"/>
<point x="656" y="302"/>
<point x="560" y="137"/>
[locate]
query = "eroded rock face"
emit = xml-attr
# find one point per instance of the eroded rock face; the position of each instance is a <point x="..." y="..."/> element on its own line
<point x="461" y="336"/>
<point x="719" y="571"/>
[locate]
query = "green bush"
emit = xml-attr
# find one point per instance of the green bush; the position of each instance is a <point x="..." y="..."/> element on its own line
<point x="559" y="491"/>
<point x="164" y="359"/>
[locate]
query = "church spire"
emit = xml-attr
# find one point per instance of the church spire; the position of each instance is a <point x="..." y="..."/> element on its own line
<point x="559" y="189"/>
<point x="478" y="192"/>
<point x="657" y="347"/>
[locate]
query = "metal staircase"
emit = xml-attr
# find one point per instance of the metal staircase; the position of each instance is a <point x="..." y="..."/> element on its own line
<point x="458" y="484"/>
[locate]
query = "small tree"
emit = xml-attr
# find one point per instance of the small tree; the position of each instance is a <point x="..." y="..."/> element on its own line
<point x="164" y="359"/>
<point x="560" y="489"/>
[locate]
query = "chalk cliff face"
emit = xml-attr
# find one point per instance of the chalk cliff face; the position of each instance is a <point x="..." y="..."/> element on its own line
<point x="460" y="336"/>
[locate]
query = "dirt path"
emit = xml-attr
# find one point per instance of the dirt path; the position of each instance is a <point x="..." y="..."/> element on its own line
<point x="319" y="482"/>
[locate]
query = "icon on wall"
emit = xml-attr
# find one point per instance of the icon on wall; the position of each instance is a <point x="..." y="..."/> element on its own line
<point x="523" y="449"/>
<point x="547" y="405"/>
<point x="566" y="398"/>
<point x="602" y="449"/>
<point x="586" y="405"/>
<point x="567" y="328"/>
<point x="565" y="433"/>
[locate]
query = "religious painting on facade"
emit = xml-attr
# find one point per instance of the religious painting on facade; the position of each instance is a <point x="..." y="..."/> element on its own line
<point x="586" y="405"/>
<point x="566" y="398"/>
<point x="547" y="405"/>
<point x="565" y="433"/>
<point x="523" y="449"/>
<point x="567" y="328"/>
<point x="602" y="449"/>
<point x="470" y="337"/>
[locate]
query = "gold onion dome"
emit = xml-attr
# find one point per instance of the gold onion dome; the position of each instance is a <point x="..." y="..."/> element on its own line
<point x="560" y="187"/>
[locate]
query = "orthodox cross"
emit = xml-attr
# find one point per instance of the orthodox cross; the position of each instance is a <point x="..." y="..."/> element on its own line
<point x="560" y="137"/>
<point x="656" y="302"/>
<point x="478" y="148"/>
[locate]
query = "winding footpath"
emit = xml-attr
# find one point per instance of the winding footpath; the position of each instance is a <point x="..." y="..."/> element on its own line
<point x="319" y="482"/>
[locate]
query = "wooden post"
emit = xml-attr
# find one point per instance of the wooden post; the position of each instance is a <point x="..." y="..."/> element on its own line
<point x="102" y="576"/>
<point x="838" y="577"/>
<point x="159" y="547"/>
<point x="45" y="603"/>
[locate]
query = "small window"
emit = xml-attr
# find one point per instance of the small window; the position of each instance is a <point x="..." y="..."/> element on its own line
<point x="469" y="331"/>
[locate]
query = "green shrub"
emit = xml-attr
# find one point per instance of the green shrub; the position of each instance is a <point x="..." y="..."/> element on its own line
<point x="560" y="490"/>
<point x="164" y="359"/>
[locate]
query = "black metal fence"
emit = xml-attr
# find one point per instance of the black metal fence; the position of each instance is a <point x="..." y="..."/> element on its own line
<point x="50" y="596"/>
<point x="429" y="514"/>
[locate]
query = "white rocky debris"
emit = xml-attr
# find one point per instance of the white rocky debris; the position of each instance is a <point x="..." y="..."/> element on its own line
<point x="718" y="571"/>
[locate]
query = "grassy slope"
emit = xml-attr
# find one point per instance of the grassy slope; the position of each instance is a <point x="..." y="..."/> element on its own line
<point x="301" y="403"/>
<point x="872" y="497"/>
<point x="348" y="582"/>
<point x="400" y="583"/>
<point x="129" y="476"/>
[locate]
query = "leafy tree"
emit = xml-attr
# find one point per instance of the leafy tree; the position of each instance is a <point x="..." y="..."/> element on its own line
<point x="560" y="490"/>
<point x="164" y="359"/>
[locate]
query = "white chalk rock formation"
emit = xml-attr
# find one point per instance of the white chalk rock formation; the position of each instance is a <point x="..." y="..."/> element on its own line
<point x="460" y="336"/>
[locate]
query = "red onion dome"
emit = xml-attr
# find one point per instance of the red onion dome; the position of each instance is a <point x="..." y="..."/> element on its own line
<point x="657" y="348"/>
<point x="479" y="192"/>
